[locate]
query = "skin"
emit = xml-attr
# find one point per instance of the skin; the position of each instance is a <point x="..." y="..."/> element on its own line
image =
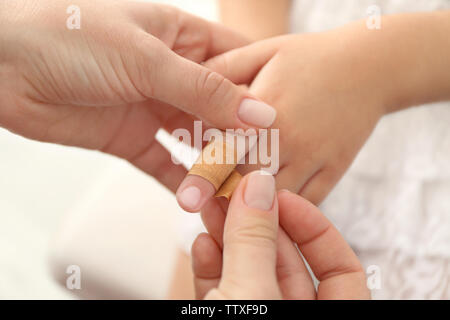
<point x="258" y="259"/>
<point x="272" y="20"/>
<point x="113" y="83"/>
<point x="342" y="81"/>
<point x="330" y="90"/>
<point x="256" y="19"/>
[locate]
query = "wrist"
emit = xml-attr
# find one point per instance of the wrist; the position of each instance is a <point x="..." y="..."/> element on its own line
<point x="420" y="48"/>
<point x="407" y="58"/>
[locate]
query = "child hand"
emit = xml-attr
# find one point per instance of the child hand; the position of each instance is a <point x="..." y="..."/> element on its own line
<point x="328" y="99"/>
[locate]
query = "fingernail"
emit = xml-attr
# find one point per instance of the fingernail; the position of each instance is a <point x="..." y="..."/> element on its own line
<point x="256" y="113"/>
<point x="260" y="191"/>
<point x="190" y="197"/>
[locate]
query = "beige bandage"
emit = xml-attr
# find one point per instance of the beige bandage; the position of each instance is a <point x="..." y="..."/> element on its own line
<point x="230" y="184"/>
<point x="217" y="162"/>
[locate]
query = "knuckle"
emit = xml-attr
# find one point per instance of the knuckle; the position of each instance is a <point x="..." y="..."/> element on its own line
<point x="145" y="65"/>
<point x="219" y="64"/>
<point x="259" y="233"/>
<point x="212" y="88"/>
<point x="201" y="253"/>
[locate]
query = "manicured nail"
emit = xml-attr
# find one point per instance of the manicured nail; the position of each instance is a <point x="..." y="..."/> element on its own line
<point x="190" y="197"/>
<point x="256" y="113"/>
<point x="260" y="191"/>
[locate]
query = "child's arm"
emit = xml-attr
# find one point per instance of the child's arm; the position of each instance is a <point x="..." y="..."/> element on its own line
<point x="409" y="57"/>
<point x="330" y="89"/>
<point x="256" y="19"/>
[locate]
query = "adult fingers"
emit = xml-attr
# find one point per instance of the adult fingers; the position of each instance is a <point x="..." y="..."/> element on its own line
<point x="197" y="90"/>
<point x="223" y="39"/>
<point x="331" y="259"/>
<point x="206" y="264"/>
<point x="293" y="276"/>
<point x="249" y="241"/>
<point x="213" y="216"/>
<point x="126" y="131"/>
<point x="214" y="37"/>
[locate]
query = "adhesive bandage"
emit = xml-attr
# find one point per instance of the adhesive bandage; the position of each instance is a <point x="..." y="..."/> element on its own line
<point x="218" y="160"/>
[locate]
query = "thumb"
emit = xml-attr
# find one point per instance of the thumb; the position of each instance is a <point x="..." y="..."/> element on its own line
<point x="200" y="91"/>
<point x="249" y="244"/>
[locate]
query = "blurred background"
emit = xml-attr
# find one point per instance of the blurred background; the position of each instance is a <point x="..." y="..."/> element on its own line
<point x="45" y="188"/>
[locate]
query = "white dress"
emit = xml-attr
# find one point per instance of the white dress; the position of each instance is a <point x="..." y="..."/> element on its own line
<point x="393" y="204"/>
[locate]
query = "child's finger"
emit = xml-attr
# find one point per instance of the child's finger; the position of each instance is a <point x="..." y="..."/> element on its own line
<point x="330" y="257"/>
<point x="206" y="264"/>
<point x="319" y="185"/>
<point x="194" y="192"/>
<point x="213" y="216"/>
<point x="241" y="65"/>
<point x="207" y="174"/>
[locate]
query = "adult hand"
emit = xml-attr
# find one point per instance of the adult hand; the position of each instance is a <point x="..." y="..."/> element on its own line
<point x="259" y="260"/>
<point x="130" y="69"/>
